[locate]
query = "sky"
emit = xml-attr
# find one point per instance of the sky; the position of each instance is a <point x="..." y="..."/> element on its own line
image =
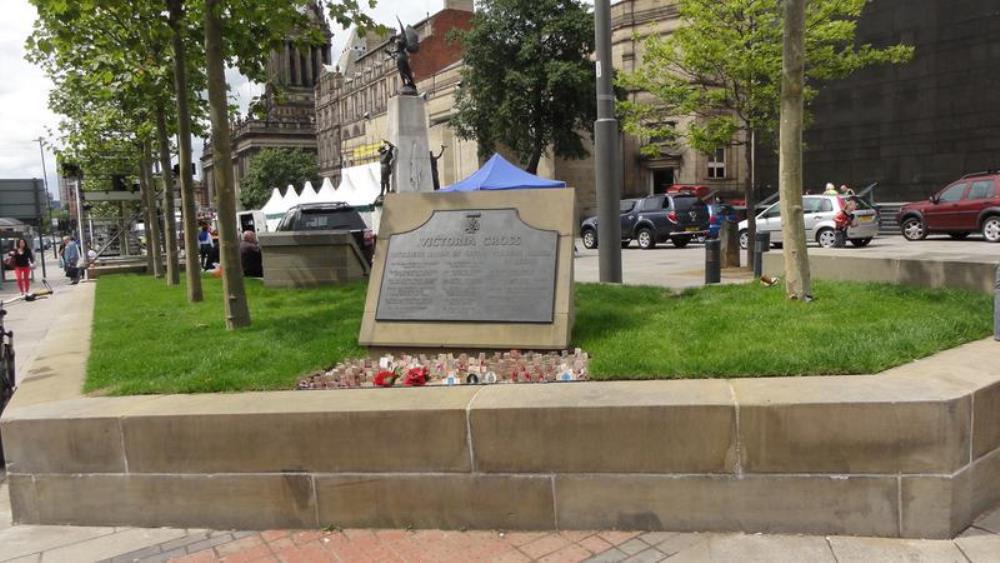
<point x="24" y="88"/>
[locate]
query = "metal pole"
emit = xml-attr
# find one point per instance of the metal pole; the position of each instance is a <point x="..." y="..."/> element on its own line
<point x="761" y="245"/>
<point x="609" y="229"/>
<point x="79" y="227"/>
<point x="41" y="221"/>
<point x="713" y="264"/>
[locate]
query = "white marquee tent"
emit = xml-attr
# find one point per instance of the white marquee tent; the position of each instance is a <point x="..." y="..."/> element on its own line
<point x="359" y="186"/>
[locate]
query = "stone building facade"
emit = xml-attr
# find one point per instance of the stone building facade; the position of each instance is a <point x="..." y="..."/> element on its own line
<point x="725" y="171"/>
<point x="912" y="128"/>
<point x="285" y="116"/>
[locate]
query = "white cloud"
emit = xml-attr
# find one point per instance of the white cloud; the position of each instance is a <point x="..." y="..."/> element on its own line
<point x="24" y="113"/>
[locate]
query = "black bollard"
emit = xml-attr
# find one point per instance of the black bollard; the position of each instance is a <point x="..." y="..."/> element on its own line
<point x="713" y="261"/>
<point x="761" y="245"/>
<point x="996" y="306"/>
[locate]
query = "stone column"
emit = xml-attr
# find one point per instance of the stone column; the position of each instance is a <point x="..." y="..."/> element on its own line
<point x="286" y="68"/>
<point x="307" y="61"/>
<point x="296" y="69"/>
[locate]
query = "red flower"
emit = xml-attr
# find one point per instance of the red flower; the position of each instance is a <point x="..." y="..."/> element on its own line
<point x="416" y="376"/>
<point x="385" y="378"/>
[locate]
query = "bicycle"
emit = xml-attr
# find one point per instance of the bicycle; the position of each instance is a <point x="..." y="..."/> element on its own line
<point x="7" y="382"/>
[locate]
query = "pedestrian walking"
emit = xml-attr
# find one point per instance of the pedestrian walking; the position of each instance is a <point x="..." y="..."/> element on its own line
<point x="23" y="260"/>
<point x="205" y="248"/>
<point x="71" y="260"/>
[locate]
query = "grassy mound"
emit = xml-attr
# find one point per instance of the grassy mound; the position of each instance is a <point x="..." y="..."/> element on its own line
<point x="147" y="339"/>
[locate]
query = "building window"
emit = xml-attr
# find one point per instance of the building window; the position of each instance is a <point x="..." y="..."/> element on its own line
<point x="717" y="164"/>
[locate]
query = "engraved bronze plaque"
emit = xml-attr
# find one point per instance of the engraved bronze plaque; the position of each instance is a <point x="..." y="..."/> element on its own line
<point x="470" y="266"/>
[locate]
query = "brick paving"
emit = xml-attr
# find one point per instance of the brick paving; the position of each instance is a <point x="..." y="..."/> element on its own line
<point x="294" y="546"/>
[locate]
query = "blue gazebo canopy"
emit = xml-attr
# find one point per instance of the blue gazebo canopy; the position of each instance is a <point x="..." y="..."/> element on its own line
<point x="498" y="174"/>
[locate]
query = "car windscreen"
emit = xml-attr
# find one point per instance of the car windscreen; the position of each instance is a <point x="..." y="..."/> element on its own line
<point x="331" y="220"/>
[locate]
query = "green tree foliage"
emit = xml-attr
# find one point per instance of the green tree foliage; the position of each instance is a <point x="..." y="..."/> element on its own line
<point x="722" y="68"/>
<point x="528" y="83"/>
<point x="276" y="168"/>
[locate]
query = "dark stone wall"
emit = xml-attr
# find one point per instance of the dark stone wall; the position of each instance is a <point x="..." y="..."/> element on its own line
<point x="915" y="127"/>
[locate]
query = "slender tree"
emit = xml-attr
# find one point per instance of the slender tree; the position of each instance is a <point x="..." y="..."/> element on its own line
<point x="237" y="310"/>
<point x="167" y="181"/>
<point x="181" y="94"/>
<point x="148" y="190"/>
<point x="797" y="282"/>
<point x="715" y="81"/>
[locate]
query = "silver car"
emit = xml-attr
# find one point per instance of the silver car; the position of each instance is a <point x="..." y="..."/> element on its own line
<point x="819" y="211"/>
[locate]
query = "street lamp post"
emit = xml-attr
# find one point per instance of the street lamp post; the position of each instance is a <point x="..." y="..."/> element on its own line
<point x="41" y="220"/>
<point x="609" y="230"/>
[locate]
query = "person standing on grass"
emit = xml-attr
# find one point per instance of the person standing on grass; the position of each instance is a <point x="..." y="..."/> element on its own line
<point x="250" y="256"/>
<point x="24" y="261"/>
<point x="205" y="248"/>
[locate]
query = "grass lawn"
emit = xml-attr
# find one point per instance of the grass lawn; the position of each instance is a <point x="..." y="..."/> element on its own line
<point x="147" y="339"/>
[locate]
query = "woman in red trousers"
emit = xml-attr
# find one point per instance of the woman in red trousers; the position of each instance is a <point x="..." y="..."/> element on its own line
<point x="24" y="261"/>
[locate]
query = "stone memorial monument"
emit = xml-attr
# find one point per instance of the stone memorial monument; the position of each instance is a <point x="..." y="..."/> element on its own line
<point x="407" y="127"/>
<point x="488" y="269"/>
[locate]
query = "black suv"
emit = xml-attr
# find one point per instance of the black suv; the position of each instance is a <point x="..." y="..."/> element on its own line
<point x="654" y="219"/>
<point x="330" y="217"/>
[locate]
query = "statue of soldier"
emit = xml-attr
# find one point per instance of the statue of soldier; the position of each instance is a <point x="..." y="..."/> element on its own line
<point x="402" y="45"/>
<point x="386" y="155"/>
<point x="434" y="167"/>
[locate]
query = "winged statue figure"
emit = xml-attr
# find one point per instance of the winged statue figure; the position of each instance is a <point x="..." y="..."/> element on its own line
<point x="402" y="45"/>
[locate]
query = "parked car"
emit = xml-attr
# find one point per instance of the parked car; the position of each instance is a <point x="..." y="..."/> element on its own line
<point x="330" y="217"/>
<point x="717" y="214"/>
<point x="818" y="212"/>
<point x="967" y="205"/>
<point x="655" y="219"/>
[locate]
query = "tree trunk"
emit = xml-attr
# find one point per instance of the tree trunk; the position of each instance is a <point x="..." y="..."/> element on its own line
<point x="237" y="312"/>
<point x="191" y="266"/>
<point x="169" y="221"/>
<point x="536" y="157"/>
<point x="750" y="196"/>
<point x="152" y="221"/>
<point x="790" y="152"/>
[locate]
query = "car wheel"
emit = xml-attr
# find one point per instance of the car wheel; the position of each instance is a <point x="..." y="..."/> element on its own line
<point x="861" y="242"/>
<point x="744" y="240"/>
<point x="626" y="243"/>
<point x="645" y="238"/>
<point x="826" y="238"/>
<point x="991" y="228"/>
<point x="680" y="242"/>
<point x="913" y="229"/>
<point x="589" y="239"/>
<point x="959" y="236"/>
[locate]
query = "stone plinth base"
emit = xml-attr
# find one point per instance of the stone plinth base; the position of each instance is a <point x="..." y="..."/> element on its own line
<point x="311" y="258"/>
<point x="408" y="131"/>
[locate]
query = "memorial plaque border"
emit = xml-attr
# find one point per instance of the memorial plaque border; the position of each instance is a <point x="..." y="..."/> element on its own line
<point x="517" y="214"/>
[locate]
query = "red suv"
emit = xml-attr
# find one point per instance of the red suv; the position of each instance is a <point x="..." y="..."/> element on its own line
<point x="968" y="205"/>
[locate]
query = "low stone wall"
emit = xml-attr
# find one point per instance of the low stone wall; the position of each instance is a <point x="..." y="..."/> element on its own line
<point x="311" y="258"/>
<point x="975" y="273"/>
<point x="913" y="452"/>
